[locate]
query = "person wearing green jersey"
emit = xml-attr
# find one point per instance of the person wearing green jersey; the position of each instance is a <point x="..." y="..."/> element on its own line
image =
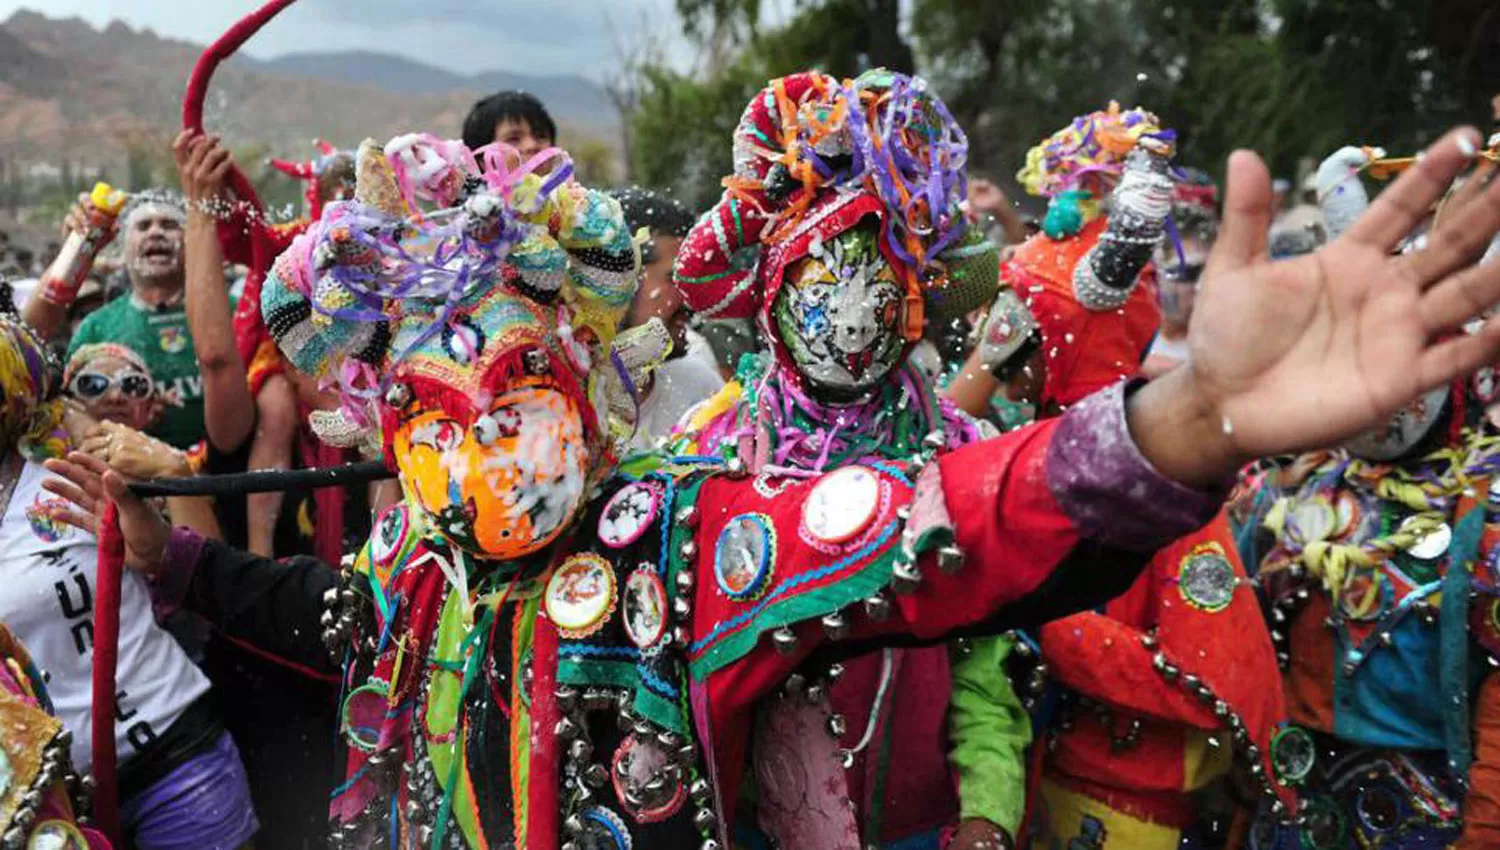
<point x="150" y="319"/>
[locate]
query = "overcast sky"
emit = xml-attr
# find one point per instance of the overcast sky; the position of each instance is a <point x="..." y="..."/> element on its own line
<point x="544" y="36"/>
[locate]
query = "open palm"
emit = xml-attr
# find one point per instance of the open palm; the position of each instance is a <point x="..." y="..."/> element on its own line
<point x="1304" y="353"/>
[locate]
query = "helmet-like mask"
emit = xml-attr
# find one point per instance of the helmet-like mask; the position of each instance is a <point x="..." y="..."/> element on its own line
<point x="463" y="340"/>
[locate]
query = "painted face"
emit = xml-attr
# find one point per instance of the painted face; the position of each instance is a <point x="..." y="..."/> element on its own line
<point x="115" y="390"/>
<point x="153" y="242"/>
<point x="505" y="485"/>
<point x="1403" y="430"/>
<point x="839" y="315"/>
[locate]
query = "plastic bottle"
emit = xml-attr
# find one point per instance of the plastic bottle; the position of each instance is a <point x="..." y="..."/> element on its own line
<point x="61" y="281"/>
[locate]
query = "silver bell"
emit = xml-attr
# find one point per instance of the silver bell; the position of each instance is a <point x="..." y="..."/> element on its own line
<point x="785" y="640"/>
<point x="838" y="725"/>
<point x="836" y="626"/>
<point x="950" y="559"/>
<point x="398" y="396"/>
<point x="905" y="577"/>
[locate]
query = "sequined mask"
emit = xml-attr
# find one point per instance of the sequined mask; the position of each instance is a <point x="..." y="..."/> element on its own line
<point x="1402" y="431"/>
<point x="505" y="484"/>
<point x="839" y="315"/>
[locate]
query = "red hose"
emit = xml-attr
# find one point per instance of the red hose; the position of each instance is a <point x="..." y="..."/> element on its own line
<point x="203" y="72"/>
<point x="192" y="119"/>
<point x="106" y="652"/>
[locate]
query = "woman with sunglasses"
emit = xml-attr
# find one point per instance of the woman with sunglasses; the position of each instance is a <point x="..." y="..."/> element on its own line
<point x="113" y="384"/>
<point x="110" y="401"/>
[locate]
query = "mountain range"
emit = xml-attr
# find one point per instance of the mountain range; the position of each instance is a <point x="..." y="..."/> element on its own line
<point x="71" y="92"/>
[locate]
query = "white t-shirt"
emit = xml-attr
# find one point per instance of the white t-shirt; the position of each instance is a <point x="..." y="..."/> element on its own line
<point x="678" y="387"/>
<point x="47" y="599"/>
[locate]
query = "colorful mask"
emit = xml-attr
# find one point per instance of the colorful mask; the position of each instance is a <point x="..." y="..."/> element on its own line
<point x="464" y="341"/>
<point x="839" y="314"/>
<point x="1403" y="430"/>
<point x="505" y="484"/>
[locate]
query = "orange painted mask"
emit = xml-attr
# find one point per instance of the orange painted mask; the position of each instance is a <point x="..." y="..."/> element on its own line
<point x="505" y="484"/>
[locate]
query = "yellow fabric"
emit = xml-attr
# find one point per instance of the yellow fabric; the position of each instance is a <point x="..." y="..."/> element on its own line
<point x="1078" y="822"/>
<point x="1202" y="764"/>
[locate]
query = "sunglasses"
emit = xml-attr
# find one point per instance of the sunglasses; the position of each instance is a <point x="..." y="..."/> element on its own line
<point x="92" y="385"/>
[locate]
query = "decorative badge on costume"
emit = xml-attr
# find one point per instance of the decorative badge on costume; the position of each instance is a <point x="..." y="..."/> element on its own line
<point x="744" y="555"/>
<point x="1432" y="545"/>
<point x="1206" y="579"/>
<point x="581" y="595"/>
<point x="604" y="830"/>
<point x="645" y="607"/>
<point x="842" y="504"/>
<point x="1403" y="430"/>
<point x="391" y="536"/>
<point x="1293" y="754"/>
<point x="172" y="340"/>
<point x="45" y="515"/>
<point x="648" y="782"/>
<point x="630" y="513"/>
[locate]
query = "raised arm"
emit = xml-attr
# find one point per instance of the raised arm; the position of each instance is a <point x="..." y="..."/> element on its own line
<point x="228" y="408"/>
<point x="46" y="308"/>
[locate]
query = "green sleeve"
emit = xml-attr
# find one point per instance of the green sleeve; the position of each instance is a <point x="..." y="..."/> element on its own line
<point x="991" y="733"/>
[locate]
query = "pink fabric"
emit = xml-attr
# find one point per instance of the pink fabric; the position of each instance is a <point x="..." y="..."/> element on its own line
<point x="804" y="795"/>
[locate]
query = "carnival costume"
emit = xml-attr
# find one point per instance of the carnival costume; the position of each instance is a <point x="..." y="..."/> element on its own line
<point x="40" y="796"/>
<point x="1378" y="564"/>
<point x="1155" y="694"/>
<point x="838" y="392"/>
<point x="540" y="652"/>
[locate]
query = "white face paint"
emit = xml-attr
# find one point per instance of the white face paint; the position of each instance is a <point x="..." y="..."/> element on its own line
<point x="1403" y="430"/>
<point x="153" y="242"/>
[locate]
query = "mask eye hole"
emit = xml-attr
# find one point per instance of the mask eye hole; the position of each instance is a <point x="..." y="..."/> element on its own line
<point x="501" y="422"/>
<point x="439" y="435"/>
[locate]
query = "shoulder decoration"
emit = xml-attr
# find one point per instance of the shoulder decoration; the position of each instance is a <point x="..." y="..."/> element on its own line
<point x="1206" y="579"/>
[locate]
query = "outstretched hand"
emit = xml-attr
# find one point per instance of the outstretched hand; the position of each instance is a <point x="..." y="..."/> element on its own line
<point x="87" y="483"/>
<point x="1303" y="353"/>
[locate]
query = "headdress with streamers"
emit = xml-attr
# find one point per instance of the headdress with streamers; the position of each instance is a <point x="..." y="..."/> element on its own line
<point x="445" y="283"/>
<point x="1093" y="145"/>
<point x="813" y="156"/>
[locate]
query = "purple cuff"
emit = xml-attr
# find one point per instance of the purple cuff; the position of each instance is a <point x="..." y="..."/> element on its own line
<point x="1109" y="490"/>
<point x="170" y="583"/>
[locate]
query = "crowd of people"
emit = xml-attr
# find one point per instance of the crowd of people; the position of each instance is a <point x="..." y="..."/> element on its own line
<point x="860" y="510"/>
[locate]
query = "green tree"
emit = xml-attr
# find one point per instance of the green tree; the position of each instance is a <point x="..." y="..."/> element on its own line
<point x="1289" y="78"/>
